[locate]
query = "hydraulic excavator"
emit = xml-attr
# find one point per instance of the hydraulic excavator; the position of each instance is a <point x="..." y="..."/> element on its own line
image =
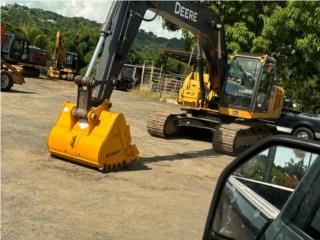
<point x="64" y="63"/>
<point x="89" y="133"/>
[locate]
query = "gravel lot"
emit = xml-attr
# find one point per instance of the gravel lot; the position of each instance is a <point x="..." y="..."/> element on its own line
<point x="164" y="195"/>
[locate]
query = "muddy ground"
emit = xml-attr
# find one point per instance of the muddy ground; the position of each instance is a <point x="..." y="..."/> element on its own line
<point x="164" y="195"/>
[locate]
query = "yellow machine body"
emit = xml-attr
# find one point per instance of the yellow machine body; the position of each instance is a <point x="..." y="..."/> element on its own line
<point x="68" y="70"/>
<point x="102" y="140"/>
<point x="53" y="73"/>
<point x="190" y="94"/>
<point x="274" y="108"/>
<point x="57" y="70"/>
<point x="15" y="72"/>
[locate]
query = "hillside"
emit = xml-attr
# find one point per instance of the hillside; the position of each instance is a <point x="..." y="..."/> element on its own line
<point x="80" y="34"/>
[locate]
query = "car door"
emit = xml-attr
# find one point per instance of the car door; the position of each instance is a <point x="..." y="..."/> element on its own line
<point x="300" y="217"/>
<point x="267" y="195"/>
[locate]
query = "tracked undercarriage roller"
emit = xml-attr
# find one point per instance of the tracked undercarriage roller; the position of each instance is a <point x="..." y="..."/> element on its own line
<point x="234" y="138"/>
<point x="163" y="124"/>
<point x="228" y="138"/>
<point x="102" y="140"/>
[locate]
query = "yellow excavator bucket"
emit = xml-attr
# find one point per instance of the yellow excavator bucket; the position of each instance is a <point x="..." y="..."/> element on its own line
<point x="102" y="140"/>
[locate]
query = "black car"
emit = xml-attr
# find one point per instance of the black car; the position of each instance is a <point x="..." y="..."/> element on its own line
<point x="302" y="125"/>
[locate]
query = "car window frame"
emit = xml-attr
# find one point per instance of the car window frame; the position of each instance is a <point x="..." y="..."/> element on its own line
<point x="279" y="140"/>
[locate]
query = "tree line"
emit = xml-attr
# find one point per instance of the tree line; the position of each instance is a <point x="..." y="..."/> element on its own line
<point x="80" y="35"/>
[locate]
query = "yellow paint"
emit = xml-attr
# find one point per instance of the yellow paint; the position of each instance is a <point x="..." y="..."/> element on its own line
<point x="104" y="141"/>
<point x="53" y="73"/>
<point x="276" y="102"/>
<point x="15" y="72"/>
<point x="274" y="108"/>
<point x="243" y="114"/>
<point x="56" y="70"/>
<point x="68" y="70"/>
<point x="190" y="94"/>
<point x="261" y="58"/>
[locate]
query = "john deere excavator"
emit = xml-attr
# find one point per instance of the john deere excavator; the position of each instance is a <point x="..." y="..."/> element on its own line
<point x="89" y="133"/>
<point x="64" y="63"/>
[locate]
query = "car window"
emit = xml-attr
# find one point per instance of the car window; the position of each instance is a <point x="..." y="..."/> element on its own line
<point x="275" y="173"/>
<point x="256" y="192"/>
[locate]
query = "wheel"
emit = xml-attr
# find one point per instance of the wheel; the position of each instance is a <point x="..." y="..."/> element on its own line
<point x="6" y="81"/>
<point x="303" y="133"/>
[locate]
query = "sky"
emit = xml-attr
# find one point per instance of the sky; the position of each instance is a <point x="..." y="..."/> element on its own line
<point x="92" y="9"/>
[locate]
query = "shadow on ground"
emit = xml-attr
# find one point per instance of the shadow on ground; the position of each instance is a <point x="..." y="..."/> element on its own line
<point x="141" y="163"/>
<point x="21" y="91"/>
<point x="196" y="134"/>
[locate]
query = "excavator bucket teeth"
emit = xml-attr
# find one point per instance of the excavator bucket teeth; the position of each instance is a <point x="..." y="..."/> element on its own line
<point x="102" y="141"/>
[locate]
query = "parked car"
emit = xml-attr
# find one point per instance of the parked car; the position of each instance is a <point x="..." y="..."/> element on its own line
<point x="301" y="125"/>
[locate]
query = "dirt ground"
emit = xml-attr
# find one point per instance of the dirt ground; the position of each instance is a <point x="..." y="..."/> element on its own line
<point x="164" y="195"/>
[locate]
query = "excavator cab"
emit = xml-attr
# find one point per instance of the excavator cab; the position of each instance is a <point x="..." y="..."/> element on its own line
<point x="69" y="66"/>
<point x="250" y="89"/>
<point x="14" y="49"/>
<point x="71" y="61"/>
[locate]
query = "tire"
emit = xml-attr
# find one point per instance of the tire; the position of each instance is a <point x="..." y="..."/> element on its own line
<point x="304" y="133"/>
<point x="6" y="81"/>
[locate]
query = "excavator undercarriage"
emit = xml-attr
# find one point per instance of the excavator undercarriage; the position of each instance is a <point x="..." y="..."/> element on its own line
<point x="229" y="137"/>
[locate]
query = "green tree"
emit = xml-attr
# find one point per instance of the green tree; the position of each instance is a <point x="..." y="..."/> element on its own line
<point x="289" y="31"/>
<point x="34" y="35"/>
<point x="292" y="35"/>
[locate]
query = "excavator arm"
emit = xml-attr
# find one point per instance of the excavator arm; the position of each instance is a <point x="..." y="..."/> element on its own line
<point x="88" y="132"/>
<point x="58" y="58"/>
<point x="118" y="33"/>
<point x="59" y="51"/>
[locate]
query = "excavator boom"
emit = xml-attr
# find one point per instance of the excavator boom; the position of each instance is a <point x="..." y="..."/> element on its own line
<point x="118" y="33"/>
<point x="88" y="132"/>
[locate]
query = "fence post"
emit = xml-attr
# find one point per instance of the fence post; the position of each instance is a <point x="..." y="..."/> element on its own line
<point x="151" y="76"/>
<point x="176" y="85"/>
<point x="142" y="74"/>
<point x="160" y="77"/>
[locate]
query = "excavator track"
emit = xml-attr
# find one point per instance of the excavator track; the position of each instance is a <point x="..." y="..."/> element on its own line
<point x="163" y="124"/>
<point x="234" y="138"/>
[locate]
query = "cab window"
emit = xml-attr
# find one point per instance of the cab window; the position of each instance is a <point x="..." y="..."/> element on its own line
<point x="265" y="88"/>
<point x="241" y="80"/>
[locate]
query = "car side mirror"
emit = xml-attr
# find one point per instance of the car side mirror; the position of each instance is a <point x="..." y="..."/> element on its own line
<point x="256" y="186"/>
